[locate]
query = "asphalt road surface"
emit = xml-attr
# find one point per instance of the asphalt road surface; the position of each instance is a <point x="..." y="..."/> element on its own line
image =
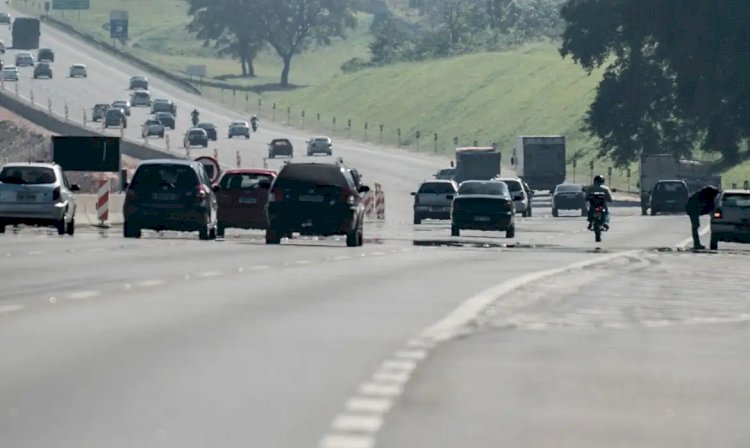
<point x="414" y="339"/>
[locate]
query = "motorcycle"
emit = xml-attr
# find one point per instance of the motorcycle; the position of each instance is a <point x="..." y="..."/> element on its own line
<point x="254" y="124"/>
<point x="194" y="116"/>
<point x="598" y="203"/>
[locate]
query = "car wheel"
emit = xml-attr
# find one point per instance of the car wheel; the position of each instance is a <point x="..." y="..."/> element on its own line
<point x="360" y="237"/>
<point x="555" y="213"/>
<point x="714" y="243"/>
<point x="272" y="156"/>
<point x="220" y="230"/>
<point x="455" y="230"/>
<point x="531" y="211"/>
<point x="205" y="145"/>
<point x="247" y="136"/>
<point x="525" y="213"/>
<point x="212" y="233"/>
<point x="130" y="230"/>
<point x="204" y="233"/>
<point x="2" y="227"/>
<point x="511" y="232"/>
<point x="654" y="211"/>
<point x="272" y="236"/>
<point x="584" y="212"/>
<point x="644" y="211"/>
<point x="352" y="238"/>
<point x="60" y="225"/>
<point x="70" y="229"/>
<point x="417" y="220"/>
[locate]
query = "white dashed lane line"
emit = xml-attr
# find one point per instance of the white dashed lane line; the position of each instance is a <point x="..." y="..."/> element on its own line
<point x="80" y="295"/>
<point x="7" y="309"/>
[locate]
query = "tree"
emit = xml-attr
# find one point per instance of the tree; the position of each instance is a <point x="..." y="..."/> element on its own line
<point x="231" y="26"/>
<point x="292" y="26"/>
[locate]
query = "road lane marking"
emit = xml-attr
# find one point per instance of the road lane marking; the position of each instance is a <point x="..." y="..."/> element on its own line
<point x="6" y="309"/>
<point x="399" y="365"/>
<point x="392" y="377"/>
<point x="347" y="441"/>
<point x="373" y="405"/>
<point x="416" y="355"/>
<point x="210" y="274"/>
<point x="80" y="295"/>
<point x="303" y="262"/>
<point x="357" y="423"/>
<point x="381" y="390"/>
<point x="149" y="283"/>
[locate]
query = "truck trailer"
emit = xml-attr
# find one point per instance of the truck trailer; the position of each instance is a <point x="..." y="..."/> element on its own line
<point x="540" y="161"/>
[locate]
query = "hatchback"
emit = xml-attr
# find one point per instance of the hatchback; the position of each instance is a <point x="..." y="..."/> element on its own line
<point x="433" y="200"/>
<point x="242" y="195"/>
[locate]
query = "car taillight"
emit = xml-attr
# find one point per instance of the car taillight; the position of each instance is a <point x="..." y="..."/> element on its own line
<point x="348" y="197"/>
<point x="56" y="194"/>
<point x="718" y="214"/>
<point x="276" y="196"/>
<point x="201" y="194"/>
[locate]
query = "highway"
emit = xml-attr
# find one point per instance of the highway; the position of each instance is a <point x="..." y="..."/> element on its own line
<point x="414" y="339"/>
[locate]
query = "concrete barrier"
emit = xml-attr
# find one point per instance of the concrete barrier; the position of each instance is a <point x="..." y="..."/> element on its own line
<point x="86" y="210"/>
<point x="180" y="81"/>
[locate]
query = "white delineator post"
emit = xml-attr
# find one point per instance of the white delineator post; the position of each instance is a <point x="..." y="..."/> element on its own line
<point x="239" y="160"/>
<point x="216" y="154"/>
<point x="102" y="201"/>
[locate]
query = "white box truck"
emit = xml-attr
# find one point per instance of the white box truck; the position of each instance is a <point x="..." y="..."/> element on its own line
<point x="540" y="161"/>
<point x="656" y="167"/>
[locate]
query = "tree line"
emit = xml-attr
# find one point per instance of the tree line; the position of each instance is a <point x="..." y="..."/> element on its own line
<point x="242" y="28"/>
<point x="675" y="75"/>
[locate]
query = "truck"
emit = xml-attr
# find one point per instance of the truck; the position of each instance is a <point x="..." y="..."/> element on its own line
<point x="477" y="163"/>
<point x="540" y="161"/>
<point x="656" y="167"/>
<point x="25" y="33"/>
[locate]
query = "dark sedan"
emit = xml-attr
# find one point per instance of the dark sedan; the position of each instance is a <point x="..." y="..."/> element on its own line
<point x="166" y="119"/>
<point x="569" y="197"/>
<point x="210" y="129"/>
<point x="483" y="205"/>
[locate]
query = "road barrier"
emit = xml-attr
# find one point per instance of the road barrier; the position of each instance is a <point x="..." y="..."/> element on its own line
<point x="239" y="160"/>
<point x="102" y="201"/>
<point x="375" y="203"/>
<point x="216" y="154"/>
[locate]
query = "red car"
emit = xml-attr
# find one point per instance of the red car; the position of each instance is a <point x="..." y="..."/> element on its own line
<point x="242" y="195"/>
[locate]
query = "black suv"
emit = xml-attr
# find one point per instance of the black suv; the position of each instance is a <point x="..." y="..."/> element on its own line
<point x="280" y="147"/>
<point x="170" y="194"/>
<point x="315" y="199"/>
<point x="669" y="196"/>
<point x="45" y="55"/>
<point x="115" y="117"/>
<point x="43" y="69"/>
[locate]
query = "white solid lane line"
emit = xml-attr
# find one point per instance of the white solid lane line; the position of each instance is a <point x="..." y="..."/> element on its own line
<point x="6" y="309"/>
<point x="80" y="295"/>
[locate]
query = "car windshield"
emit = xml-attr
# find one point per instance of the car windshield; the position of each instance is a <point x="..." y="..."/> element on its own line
<point x="436" y="188"/>
<point x="149" y="177"/>
<point x="513" y="185"/>
<point x="740" y="200"/>
<point x="489" y="188"/>
<point x="568" y="189"/>
<point x="27" y="175"/>
<point x="244" y="181"/>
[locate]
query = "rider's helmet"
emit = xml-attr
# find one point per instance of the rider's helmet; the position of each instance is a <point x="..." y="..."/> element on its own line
<point x="598" y="179"/>
<point x="195" y="111"/>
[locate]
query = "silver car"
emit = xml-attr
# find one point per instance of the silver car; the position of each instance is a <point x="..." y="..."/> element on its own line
<point x="319" y="145"/>
<point x="140" y="98"/>
<point x="433" y="200"/>
<point x="122" y="104"/>
<point x="37" y="194"/>
<point x="77" y="70"/>
<point x="730" y="221"/>
<point x="520" y="198"/>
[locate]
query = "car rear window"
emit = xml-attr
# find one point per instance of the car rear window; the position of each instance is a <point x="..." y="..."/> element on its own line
<point x="436" y="188"/>
<point x="490" y="188"/>
<point x="27" y="175"/>
<point x="513" y="185"/>
<point x="670" y="187"/>
<point x="243" y="181"/>
<point x="322" y="140"/>
<point x="149" y="177"/>
<point x="736" y="200"/>
<point x="569" y="189"/>
<point x="300" y="175"/>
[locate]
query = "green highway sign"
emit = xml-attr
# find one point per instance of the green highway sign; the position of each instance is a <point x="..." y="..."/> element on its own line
<point x="71" y="4"/>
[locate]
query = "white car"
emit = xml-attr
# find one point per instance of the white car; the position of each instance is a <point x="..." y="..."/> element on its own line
<point x="153" y="127"/>
<point x="730" y="221"/>
<point x="24" y="59"/>
<point x="2" y="46"/>
<point x="140" y="98"/>
<point x="241" y="128"/>
<point x="37" y="194"/>
<point x="77" y="70"/>
<point x="520" y="199"/>
<point x="122" y="104"/>
<point x="9" y="73"/>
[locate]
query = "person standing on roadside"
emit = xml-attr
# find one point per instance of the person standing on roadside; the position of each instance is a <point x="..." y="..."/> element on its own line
<point x="700" y="203"/>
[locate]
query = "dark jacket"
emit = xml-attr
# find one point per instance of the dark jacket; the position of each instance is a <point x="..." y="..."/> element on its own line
<point x="703" y="201"/>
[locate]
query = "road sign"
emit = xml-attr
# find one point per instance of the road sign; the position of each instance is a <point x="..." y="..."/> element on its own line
<point x="99" y="154"/>
<point x="212" y="167"/>
<point x="71" y="4"/>
<point x="196" y="70"/>
<point x="118" y="24"/>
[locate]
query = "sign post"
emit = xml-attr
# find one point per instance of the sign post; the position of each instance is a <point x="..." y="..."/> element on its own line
<point x="118" y="24"/>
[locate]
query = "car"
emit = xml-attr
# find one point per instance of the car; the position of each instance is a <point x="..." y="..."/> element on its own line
<point x="730" y="220"/>
<point x="78" y="71"/>
<point x="114" y="116"/>
<point x="166" y="119"/>
<point x="315" y="199"/>
<point x="170" y="194"/>
<point x="45" y="55"/>
<point x="239" y="128"/>
<point x="242" y="195"/>
<point x="520" y="197"/>
<point x="445" y="174"/>
<point x="24" y="59"/>
<point x="138" y="82"/>
<point x="152" y="127"/>
<point x="569" y="197"/>
<point x="280" y="147"/>
<point x="669" y="196"/>
<point x="2" y="46"/>
<point x="140" y="98"/>
<point x="43" y="70"/>
<point x="433" y="200"/>
<point x="122" y="104"/>
<point x="319" y="145"/>
<point x="5" y="17"/>
<point x="163" y="105"/>
<point x="37" y="194"/>
<point x="99" y="111"/>
<point x="210" y="129"/>
<point x="195" y="137"/>
<point x="9" y="73"/>
<point x="483" y="205"/>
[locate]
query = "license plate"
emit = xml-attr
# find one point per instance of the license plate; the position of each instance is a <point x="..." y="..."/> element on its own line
<point x="311" y="198"/>
<point x="26" y="197"/>
<point x="482" y="218"/>
<point x="248" y="201"/>
<point x="164" y="196"/>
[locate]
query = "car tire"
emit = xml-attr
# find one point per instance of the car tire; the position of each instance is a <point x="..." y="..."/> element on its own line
<point x="531" y="212"/>
<point x="204" y="233"/>
<point x="584" y="212"/>
<point x="273" y="236"/>
<point x="70" y="228"/>
<point x="353" y="237"/>
<point x="654" y="211"/>
<point x="511" y="232"/>
<point x="60" y="225"/>
<point x="247" y="136"/>
<point x="555" y="213"/>
<point x="272" y="156"/>
<point x="205" y="145"/>
<point x="2" y="227"/>
<point x="455" y="230"/>
<point x="525" y="213"/>
<point x="417" y="220"/>
<point x="130" y="230"/>
<point x="220" y="230"/>
<point x="212" y="233"/>
<point x="714" y="243"/>
<point x="644" y="211"/>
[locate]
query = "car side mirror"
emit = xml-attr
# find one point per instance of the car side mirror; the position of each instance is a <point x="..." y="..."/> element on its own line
<point x="363" y="189"/>
<point x="413" y="193"/>
<point x="75" y="187"/>
<point x="264" y="185"/>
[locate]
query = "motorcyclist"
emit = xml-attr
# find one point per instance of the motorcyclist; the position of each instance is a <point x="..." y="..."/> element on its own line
<point x="599" y="187"/>
<point x="700" y="203"/>
<point x="194" y="114"/>
<point x="254" y="122"/>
